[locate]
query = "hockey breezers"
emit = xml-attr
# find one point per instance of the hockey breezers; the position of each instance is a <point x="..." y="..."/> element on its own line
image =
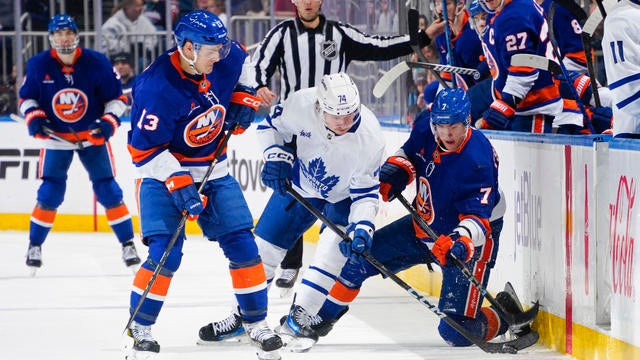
<point x="181" y="224"/>
<point x="513" y="319"/>
<point x="507" y="347"/>
<point x="395" y="72"/>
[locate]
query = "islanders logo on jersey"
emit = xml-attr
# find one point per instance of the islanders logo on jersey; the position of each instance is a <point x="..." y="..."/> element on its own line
<point x="424" y="203"/>
<point x="70" y="104"/>
<point x="204" y="128"/>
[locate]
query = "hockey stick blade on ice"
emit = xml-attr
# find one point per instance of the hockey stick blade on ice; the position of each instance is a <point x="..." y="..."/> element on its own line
<point x="181" y="224"/>
<point x="52" y="134"/>
<point x="521" y="318"/>
<point x="507" y="347"/>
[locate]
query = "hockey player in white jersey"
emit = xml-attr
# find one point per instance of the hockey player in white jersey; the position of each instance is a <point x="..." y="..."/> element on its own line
<point x="329" y="148"/>
<point x="621" y="51"/>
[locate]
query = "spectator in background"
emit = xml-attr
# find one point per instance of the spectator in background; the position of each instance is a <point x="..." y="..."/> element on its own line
<point x="127" y="31"/>
<point x="155" y="11"/>
<point x="8" y="98"/>
<point x="123" y="64"/>
<point x="219" y="8"/>
<point x="284" y="8"/>
<point x="423" y="22"/>
<point x="387" y="19"/>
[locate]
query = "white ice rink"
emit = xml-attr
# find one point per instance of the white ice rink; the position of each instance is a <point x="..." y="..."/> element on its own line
<point x="76" y="308"/>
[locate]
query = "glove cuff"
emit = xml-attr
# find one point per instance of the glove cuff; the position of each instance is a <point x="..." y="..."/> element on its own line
<point x="34" y="113"/>
<point x="246" y="99"/>
<point x="278" y="153"/>
<point x="405" y="165"/>
<point x="467" y="242"/>
<point x="178" y="180"/>
<point x="111" y="119"/>
<point x="367" y="226"/>
<point x="502" y="107"/>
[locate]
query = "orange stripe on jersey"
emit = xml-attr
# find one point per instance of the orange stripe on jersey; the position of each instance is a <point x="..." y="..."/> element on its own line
<point x="535" y="97"/>
<point x="522" y="69"/>
<point x="117" y="212"/>
<point x="570" y="104"/>
<point x="538" y="124"/>
<point x="493" y="323"/>
<point x="42" y="215"/>
<point x="160" y="285"/>
<point x="140" y="155"/>
<point x="248" y="277"/>
<point x="577" y="56"/>
<point x="181" y="158"/>
<point x="343" y="293"/>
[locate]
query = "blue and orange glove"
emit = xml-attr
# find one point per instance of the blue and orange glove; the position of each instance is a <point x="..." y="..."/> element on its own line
<point x="276" y="172"/>
<point x="37" y="122"/>
<point x="102" y="129"/>
<point x="601" y="118"/>
<point x="242" y="109"/>
<point x="395" y="174"/>
<point x="185" y="194"/>
<point x="499" y="114"/>
<point x="454" y="244"/>
<point x="361" y="240"/>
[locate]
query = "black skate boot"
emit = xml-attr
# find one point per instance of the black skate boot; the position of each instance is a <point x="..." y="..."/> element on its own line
<point x="287" y="278"/>
<point x="34" y="256"/>
<point x="322" y="327"/>
<point x="296" y="331"/>
<point x="510" y="302"/>
<point x="265" y="339"/>
<point x="129" y="254"/>
<point x="229" y="329"/>
<point x="144" y="345"/>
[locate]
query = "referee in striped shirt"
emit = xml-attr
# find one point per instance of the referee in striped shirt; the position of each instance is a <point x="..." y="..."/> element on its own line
<point x="303" y="49"/>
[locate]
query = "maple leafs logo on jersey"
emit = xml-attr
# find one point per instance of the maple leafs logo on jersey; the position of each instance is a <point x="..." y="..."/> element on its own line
<point x="316" y="173"/>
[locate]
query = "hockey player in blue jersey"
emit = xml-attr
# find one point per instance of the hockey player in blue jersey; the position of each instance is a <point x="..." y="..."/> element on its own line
<point x="330" y="148"/>
<point x="183" y="103"/>
<point x="456" y="175"/>
<point x="73" y="94"/>
<point x="525" y="99"/>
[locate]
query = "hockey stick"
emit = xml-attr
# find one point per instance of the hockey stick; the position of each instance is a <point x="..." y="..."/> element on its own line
<point x="414" y="17"/>
<point x="50" y="133"/>
<point x="181" y="224"/>
<point x="591" y="70"/>
<point x="543" y="63"/>
<point x="508" y="347"/>
<point x="596" y="17"/>
<point x="390" y="76"/>
<point x="513" y="319"/>
<point x="447" y="38"/>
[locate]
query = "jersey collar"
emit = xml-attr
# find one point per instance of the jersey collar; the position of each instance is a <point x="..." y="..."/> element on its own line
<point x="203" y="84"/>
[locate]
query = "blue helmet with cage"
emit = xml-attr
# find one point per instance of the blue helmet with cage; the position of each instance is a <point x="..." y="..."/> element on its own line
<point x="451" y="106"/>
<point x="63" y="22"/>
<point x="202" y="27"/>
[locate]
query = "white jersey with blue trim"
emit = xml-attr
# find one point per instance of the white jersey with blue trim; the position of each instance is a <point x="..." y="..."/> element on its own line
<point x="329" y="166"/>
<point x="621" y="52"/>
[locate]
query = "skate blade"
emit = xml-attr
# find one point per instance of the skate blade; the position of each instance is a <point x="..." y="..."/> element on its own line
<point x="286" y="293"/>
<point x="33" y="270"/>
<point x="268" y="355"/>
<point x="238" y="339"/>
<point x="296" y="344"/>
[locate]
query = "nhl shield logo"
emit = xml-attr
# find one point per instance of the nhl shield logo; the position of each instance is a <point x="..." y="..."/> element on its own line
<point x="329" y="50"/>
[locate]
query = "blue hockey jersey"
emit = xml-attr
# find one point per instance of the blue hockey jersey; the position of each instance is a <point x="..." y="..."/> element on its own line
<point x="452" y="185"/>
<point x="182" y="114"/>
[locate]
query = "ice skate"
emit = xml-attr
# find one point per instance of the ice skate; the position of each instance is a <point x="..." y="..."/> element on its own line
<point x="286" y="281"/>
<point x="144" y="347"/>
<point x="525" y="337"/>
<point x="130" y="255"/>
<point x="229" y="329"/>
<point x="34" y="258"/>
<point x="296" y="331"/>
<point x="265" y="339"/>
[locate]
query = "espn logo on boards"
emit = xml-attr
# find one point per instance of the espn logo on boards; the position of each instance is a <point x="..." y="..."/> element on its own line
<point x="19" y="162"/>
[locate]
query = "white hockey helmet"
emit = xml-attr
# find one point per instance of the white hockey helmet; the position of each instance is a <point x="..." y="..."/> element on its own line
<point x="338" y="94"/>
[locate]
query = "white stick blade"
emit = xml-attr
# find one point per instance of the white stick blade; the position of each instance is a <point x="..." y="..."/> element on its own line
<point x="389" y="77"/>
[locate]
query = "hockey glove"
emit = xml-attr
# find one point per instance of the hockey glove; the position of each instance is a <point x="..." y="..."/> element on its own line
<point x="601" y="118"/>
<point x="362" y="239"/>
<point x="185" y="194"/>
<point x="37" y="123"/>
<point x="276" y="172"/>
<point x="242" y="109"/>
<point x="454" y="244"/>
<point x="499" y="114"/>
<point x="580" y="82"/>
<point x="102" y="129"/>
<point x="396" y="173"/>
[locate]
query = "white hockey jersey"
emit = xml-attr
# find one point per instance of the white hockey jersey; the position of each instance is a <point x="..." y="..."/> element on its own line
<point x="327" y="166"/>
<point x="621" y="50"/>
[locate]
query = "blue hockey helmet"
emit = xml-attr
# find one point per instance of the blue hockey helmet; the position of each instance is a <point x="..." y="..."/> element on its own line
<point x="202" y="27"/>
<point x="63" y="22"/>
<point x="451" y="106"/>
<point x="475" y="8"/>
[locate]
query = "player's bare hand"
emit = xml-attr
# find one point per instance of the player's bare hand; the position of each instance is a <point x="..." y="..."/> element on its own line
<point x="268" y="96"/>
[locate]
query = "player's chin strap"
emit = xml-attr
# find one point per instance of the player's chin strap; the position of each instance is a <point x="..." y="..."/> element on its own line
<point x="192" y="63"/>
<point x="508" y="347"/>
<point x="511" y="318"/>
